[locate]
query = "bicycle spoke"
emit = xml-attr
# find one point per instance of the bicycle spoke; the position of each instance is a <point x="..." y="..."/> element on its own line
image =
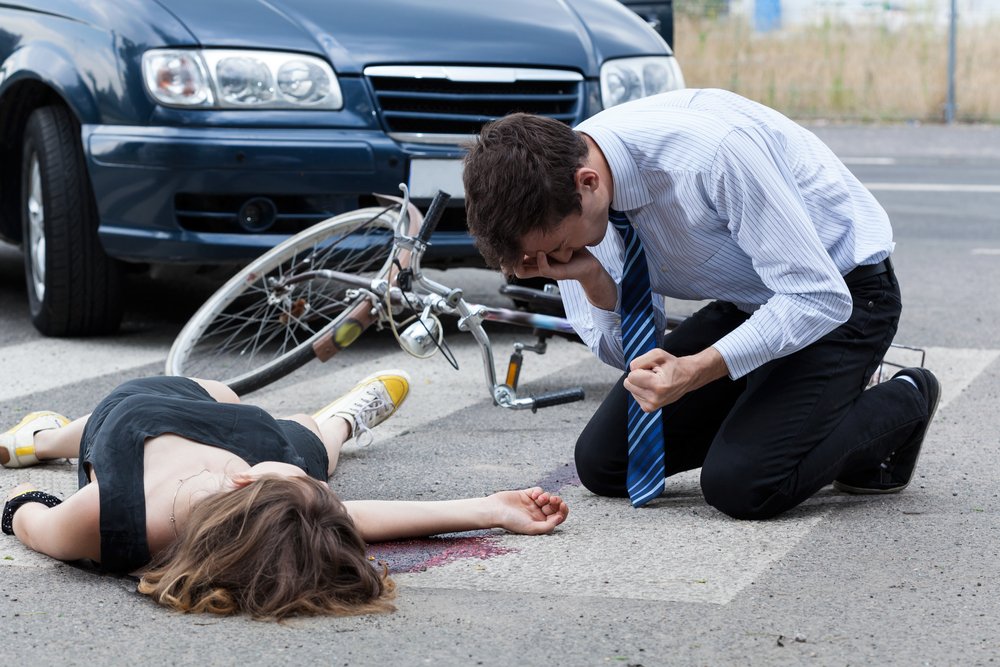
<point x="258" y="343"/>
<point x="279" y="304"/>
<point x="257" y="317"/>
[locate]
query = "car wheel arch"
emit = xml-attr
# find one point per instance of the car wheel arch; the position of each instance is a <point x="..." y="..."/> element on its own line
<point x="17" y="102"/>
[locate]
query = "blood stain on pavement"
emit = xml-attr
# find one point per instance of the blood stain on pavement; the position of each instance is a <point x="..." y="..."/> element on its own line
<point x="419" y="555"/>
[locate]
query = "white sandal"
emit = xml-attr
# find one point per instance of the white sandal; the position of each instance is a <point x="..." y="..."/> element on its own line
<point x="17" y="446"/>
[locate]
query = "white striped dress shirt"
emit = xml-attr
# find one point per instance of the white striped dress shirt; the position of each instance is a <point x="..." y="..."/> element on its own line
<point x="734" y="202"/>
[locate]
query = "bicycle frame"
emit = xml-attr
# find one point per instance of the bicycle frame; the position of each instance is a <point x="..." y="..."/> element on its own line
<point x="381" y="298"/>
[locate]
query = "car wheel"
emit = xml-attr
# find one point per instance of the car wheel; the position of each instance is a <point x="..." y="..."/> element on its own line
<point x="73" y="287"/>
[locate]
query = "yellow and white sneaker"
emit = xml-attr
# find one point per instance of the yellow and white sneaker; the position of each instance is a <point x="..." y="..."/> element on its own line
<point x="17" y="446"/>
<point x="370" y="403"/>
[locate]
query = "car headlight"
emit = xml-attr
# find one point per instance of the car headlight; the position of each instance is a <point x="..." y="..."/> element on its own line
<point x="626" y="79"/>
<point x="240" y="79"/>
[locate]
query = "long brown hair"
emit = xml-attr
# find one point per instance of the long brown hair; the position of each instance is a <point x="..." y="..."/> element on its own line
<point x="277" y="547"/>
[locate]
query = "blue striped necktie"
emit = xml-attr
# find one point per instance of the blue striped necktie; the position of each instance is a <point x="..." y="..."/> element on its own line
<point x="645" y="430"/>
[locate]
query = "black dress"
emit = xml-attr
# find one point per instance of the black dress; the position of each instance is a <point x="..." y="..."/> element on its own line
<point x="114" y="439"/>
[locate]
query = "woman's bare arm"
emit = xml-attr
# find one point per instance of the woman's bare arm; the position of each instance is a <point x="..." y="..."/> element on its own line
<point x="530" y="512"/>
<point x="68" y="531"/>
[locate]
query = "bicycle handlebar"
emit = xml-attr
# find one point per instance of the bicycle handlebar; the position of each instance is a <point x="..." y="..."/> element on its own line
<point x="443" y="299"/>
<point x="433" y="216"/>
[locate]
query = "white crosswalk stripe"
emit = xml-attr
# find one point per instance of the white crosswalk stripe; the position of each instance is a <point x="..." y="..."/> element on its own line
<point x="682" y="550"/>
<point x="47" y="363"/>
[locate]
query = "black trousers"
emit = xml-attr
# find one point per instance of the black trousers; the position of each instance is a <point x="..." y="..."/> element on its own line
<point x="771" y="439"/>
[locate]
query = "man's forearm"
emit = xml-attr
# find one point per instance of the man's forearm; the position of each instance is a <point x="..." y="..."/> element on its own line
<point x="600" y="288"/>
<point x="702" y="368"/>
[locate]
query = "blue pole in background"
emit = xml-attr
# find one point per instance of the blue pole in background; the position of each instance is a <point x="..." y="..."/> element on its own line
<point x="767" y="15"/>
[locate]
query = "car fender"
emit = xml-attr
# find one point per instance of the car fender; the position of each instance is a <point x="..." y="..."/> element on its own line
<point x="86" y="52"/>
<point x="53" y="67"/>
<point x="34" y="75"/>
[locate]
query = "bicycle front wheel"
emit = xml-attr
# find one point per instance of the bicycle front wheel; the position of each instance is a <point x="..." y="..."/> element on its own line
<point x="265" y="321"/>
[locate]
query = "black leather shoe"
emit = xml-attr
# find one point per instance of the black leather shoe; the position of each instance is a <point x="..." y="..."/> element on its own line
<point x="895" y="472"/>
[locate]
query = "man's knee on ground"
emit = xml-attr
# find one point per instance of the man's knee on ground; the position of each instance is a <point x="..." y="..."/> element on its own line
<point x="592" y="469"/>
<point x="736" y="491"/>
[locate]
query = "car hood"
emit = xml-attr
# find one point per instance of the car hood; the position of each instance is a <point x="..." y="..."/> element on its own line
<point x="576" y="34"/>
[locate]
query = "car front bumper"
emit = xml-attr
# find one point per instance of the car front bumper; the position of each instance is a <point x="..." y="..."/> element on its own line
<point x="140" y="175"/>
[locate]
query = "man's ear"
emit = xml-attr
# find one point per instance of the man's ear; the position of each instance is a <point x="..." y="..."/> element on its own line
<point x="587" y="179"/>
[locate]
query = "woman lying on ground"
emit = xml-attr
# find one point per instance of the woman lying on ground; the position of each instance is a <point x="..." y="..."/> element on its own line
<point x="218" y="507"/>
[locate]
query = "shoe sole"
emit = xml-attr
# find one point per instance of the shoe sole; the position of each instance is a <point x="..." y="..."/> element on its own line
<point x="863" y="491"/>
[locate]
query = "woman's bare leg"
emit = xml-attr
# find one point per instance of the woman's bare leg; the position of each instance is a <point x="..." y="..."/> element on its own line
<point x="64" y="443"/>
<point x="219" y="391"/>
<point x="333" y="432"/>
<point x="367" y="405"/>
<point x="60" y="443"/>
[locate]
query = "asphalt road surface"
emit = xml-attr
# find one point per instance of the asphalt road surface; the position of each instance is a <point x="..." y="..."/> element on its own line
<point x="906" y="579"/>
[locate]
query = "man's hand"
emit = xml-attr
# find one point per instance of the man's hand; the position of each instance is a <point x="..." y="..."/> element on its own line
<point x="576" y="267"/>
<point x="581" y="266"/>
<point x="658" y="378"/>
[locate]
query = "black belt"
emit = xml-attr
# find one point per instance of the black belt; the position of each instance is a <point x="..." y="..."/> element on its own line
<point x="868" y="271"/>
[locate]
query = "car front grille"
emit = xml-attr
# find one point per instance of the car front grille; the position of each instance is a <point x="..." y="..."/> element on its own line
<point x="428" y="104"/>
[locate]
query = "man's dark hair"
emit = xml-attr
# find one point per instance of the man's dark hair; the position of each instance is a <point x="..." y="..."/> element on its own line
<point x="519" y="178"/>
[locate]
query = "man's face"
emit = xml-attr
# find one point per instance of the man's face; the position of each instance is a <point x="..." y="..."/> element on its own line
<point x="573" y="232"/>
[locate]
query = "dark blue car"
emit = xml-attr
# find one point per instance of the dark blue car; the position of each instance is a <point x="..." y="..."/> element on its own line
<point x="204" y="132"/>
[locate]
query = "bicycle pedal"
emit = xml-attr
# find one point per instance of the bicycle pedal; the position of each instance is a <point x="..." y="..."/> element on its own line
<point x="514" y="369"/>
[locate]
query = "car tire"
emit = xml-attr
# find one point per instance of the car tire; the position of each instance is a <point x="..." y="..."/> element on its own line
<point x="74" y="288"/>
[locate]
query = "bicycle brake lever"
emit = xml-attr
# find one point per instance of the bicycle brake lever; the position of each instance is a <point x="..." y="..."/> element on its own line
<point x="404" y="279"/>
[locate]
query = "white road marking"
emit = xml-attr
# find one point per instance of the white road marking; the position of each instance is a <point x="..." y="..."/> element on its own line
<point x="956" y="368"/>
<point x="981" y="188"/>
<point x="438" y="390"/>
<point x="986" y="251"/>
<point x="47" y="363"/>
<point x="679" y="549"/>
<point x="676" y="549"/>
<point x="869" y="160"/>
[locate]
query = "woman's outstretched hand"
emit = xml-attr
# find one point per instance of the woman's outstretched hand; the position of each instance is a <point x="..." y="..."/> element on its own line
<point x="529" y="511"/>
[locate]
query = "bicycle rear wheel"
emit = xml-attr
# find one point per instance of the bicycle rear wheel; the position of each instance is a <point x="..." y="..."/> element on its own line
<point x="265" y="321"/>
